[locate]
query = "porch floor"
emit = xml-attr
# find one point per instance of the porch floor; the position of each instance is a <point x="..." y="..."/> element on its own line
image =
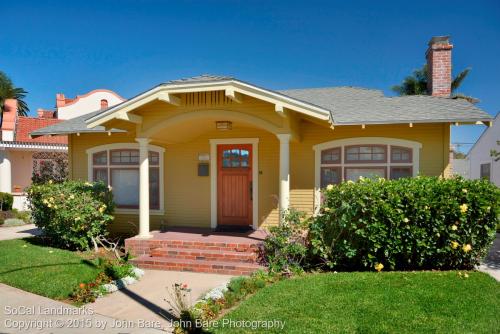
<point x="198" y="250"/>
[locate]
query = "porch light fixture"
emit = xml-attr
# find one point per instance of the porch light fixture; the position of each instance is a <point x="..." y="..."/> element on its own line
<point x="223" y="125"/>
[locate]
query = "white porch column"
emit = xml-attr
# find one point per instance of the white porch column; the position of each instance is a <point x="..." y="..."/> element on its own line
<point x="143" y="188"/>
<point x="284" y="172"/>
<point x="5" y="172"/>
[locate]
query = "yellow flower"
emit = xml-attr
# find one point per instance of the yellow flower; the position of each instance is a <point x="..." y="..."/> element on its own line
<point x="88" y="183"/>
<point x="467" y="248"/>
<point x="454" y="227"/>
<point x="350" y="181"/>
<point x="378" y="266"/>
<point x="454" y="244"/>
<point x="406" y="220"/>
<point x="327" y="209"/>
<point x="55" y="206"/>
<point x="463" y="208"/>
<point x="51" y="251"/>
<point x="102" y="208"/>
<point x="361" y="178"/>
<point x="51" y="199"/>
<point x="49" y="205"/>
<point x="466" y="275"/>
<point x="71" y="196"/>
<point x="329" y="187"/>
<point x="464" y="191"/>
<point x="77" y="219"/>
<point x="50" y="181"/>
<point x="110" y="188"/>
<point x="24" y="246"/>
<point x="45" y="201"/>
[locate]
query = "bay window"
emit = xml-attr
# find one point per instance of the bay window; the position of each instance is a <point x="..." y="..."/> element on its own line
<point x="118" y="167"/>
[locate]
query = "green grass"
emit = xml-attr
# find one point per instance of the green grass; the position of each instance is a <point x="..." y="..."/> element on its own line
<point x="46" y="271"/>
<point x="397" y="302"/>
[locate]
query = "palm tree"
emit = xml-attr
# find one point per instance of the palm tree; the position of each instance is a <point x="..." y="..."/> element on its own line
<point x="416" y="84"/>
<point x="9" y="91"/>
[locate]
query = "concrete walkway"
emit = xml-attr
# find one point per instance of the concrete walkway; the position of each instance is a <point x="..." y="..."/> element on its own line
<point x="18" y="232"/>
<point x="24" y="312"/>
<point x="491" y="264"/>
<point x="145" y="300"/>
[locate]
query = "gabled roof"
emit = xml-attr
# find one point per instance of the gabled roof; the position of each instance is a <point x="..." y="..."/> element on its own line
<point x="351" y="105"/>
<point x="339" y="105"/>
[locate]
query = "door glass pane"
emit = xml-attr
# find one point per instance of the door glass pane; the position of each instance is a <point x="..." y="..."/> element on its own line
<point x="235" y="163"/>
<point x="125" y="183"/>
<point x="226" y="163"/>
<point x="330" y="175"/>
<point x="330" y="156"/>
<point x="353" y="173"/>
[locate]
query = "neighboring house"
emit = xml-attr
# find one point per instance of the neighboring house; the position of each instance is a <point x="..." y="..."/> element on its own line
<point x="20" y="154"/>
<point x="213" y="151"/>
<point x="482" y="164"/>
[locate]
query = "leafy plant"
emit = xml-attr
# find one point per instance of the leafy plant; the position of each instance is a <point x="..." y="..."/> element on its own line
<point x="285" y="249"/>
<point x="120" y="270"/>
<point x="87" y="292"/>
<point x="6" y="201"/>
<point x="405" y="224"/>
<point x="9" y="91"/>
<point x="71" y="213"/>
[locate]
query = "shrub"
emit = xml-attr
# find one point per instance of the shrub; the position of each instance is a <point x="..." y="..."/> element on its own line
<point x="49" y="166"/>
<point x="6" y="201"/>
<point x="410" y="223"/>
<point x="120" y="270"/>
<point x="71" y="213"/>
<point x="285" y="248"/>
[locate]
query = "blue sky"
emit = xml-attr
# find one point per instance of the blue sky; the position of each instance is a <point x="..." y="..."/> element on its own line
<point x="128" y="46"/>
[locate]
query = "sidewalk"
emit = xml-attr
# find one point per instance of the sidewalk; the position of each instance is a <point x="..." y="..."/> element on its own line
<point x="24" y="312"/>
<point x="18" y="232"/>
<point x="491" y="264"/>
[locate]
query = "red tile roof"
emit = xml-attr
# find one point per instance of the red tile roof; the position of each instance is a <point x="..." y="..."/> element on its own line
<point x="26" y="125"/>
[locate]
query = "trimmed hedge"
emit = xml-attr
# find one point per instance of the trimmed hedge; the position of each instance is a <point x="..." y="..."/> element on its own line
<point x="405" y="224"/>
<point x="72" y="212"/>
<point x="6" y="201"/>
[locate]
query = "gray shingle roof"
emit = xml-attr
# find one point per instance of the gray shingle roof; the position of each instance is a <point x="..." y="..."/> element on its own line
<point x="347" y="105"/>
<point x="73" y="125"/>
<point x="350" y="105"/>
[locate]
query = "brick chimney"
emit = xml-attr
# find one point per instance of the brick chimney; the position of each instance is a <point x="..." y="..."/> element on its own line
<point x="439" y="66"/>
<point x="60" y="100"/>
<point x="44" y="113"/>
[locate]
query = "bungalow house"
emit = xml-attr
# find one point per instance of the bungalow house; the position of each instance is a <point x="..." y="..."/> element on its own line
<point x="218" y="152"/>
<point x="20" y="154"/>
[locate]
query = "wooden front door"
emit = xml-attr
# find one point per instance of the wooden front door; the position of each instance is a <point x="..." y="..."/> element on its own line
<point x="234" y="184"/>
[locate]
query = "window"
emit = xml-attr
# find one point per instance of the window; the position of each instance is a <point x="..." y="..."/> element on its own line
<point x="330" y="175"/>
<point x="235" y="158"/>
<point x="401" y="154"/>
<point x="365" y="153"/>
<point x="485" y="171"/>
<point x="354" y="173"/>
<point x="119" y="168"/>
<point x="399" y="172"/>
<point x="349" y="159"/>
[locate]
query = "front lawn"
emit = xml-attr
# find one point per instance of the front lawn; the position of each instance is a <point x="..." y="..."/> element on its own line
<point x="46" y="271"/>
<point x="392" y="302"/>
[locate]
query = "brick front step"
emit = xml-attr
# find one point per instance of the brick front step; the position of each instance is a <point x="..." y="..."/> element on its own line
<point x="201" y="266"/>
<point x="146" y="246"/>
<point x="249" y="256"/>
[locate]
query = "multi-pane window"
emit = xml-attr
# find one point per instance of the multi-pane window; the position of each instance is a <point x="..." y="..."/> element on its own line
<point x="351" y="162"/>
<point x="235" y="158"/>
<point x="365" y="153"/>
<point x="120" y="169"/>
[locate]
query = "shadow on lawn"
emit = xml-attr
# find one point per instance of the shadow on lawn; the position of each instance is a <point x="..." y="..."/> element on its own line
<point x="84" y="262"/>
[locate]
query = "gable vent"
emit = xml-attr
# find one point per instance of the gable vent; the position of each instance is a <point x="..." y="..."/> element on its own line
<point x="202" y="99"/>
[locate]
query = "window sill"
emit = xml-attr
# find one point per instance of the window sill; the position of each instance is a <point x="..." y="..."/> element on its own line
<point x="136" y="212"/>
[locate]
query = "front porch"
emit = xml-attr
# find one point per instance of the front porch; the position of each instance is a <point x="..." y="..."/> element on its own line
<point x="198" y="250"/>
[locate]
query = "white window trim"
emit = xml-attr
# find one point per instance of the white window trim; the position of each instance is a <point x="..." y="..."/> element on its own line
<point x="117" y="146"/>
<point x="415" y="146"/>
<point x="255" y="177"/>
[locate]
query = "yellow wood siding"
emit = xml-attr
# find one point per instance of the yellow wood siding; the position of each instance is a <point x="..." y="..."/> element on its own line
<point x="187" y="196"/>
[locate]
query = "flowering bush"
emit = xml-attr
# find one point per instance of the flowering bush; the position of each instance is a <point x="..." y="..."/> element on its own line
<point x="285" y="248"/>
<point x="410" y="223"/>
<point x="71" y="213"/>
